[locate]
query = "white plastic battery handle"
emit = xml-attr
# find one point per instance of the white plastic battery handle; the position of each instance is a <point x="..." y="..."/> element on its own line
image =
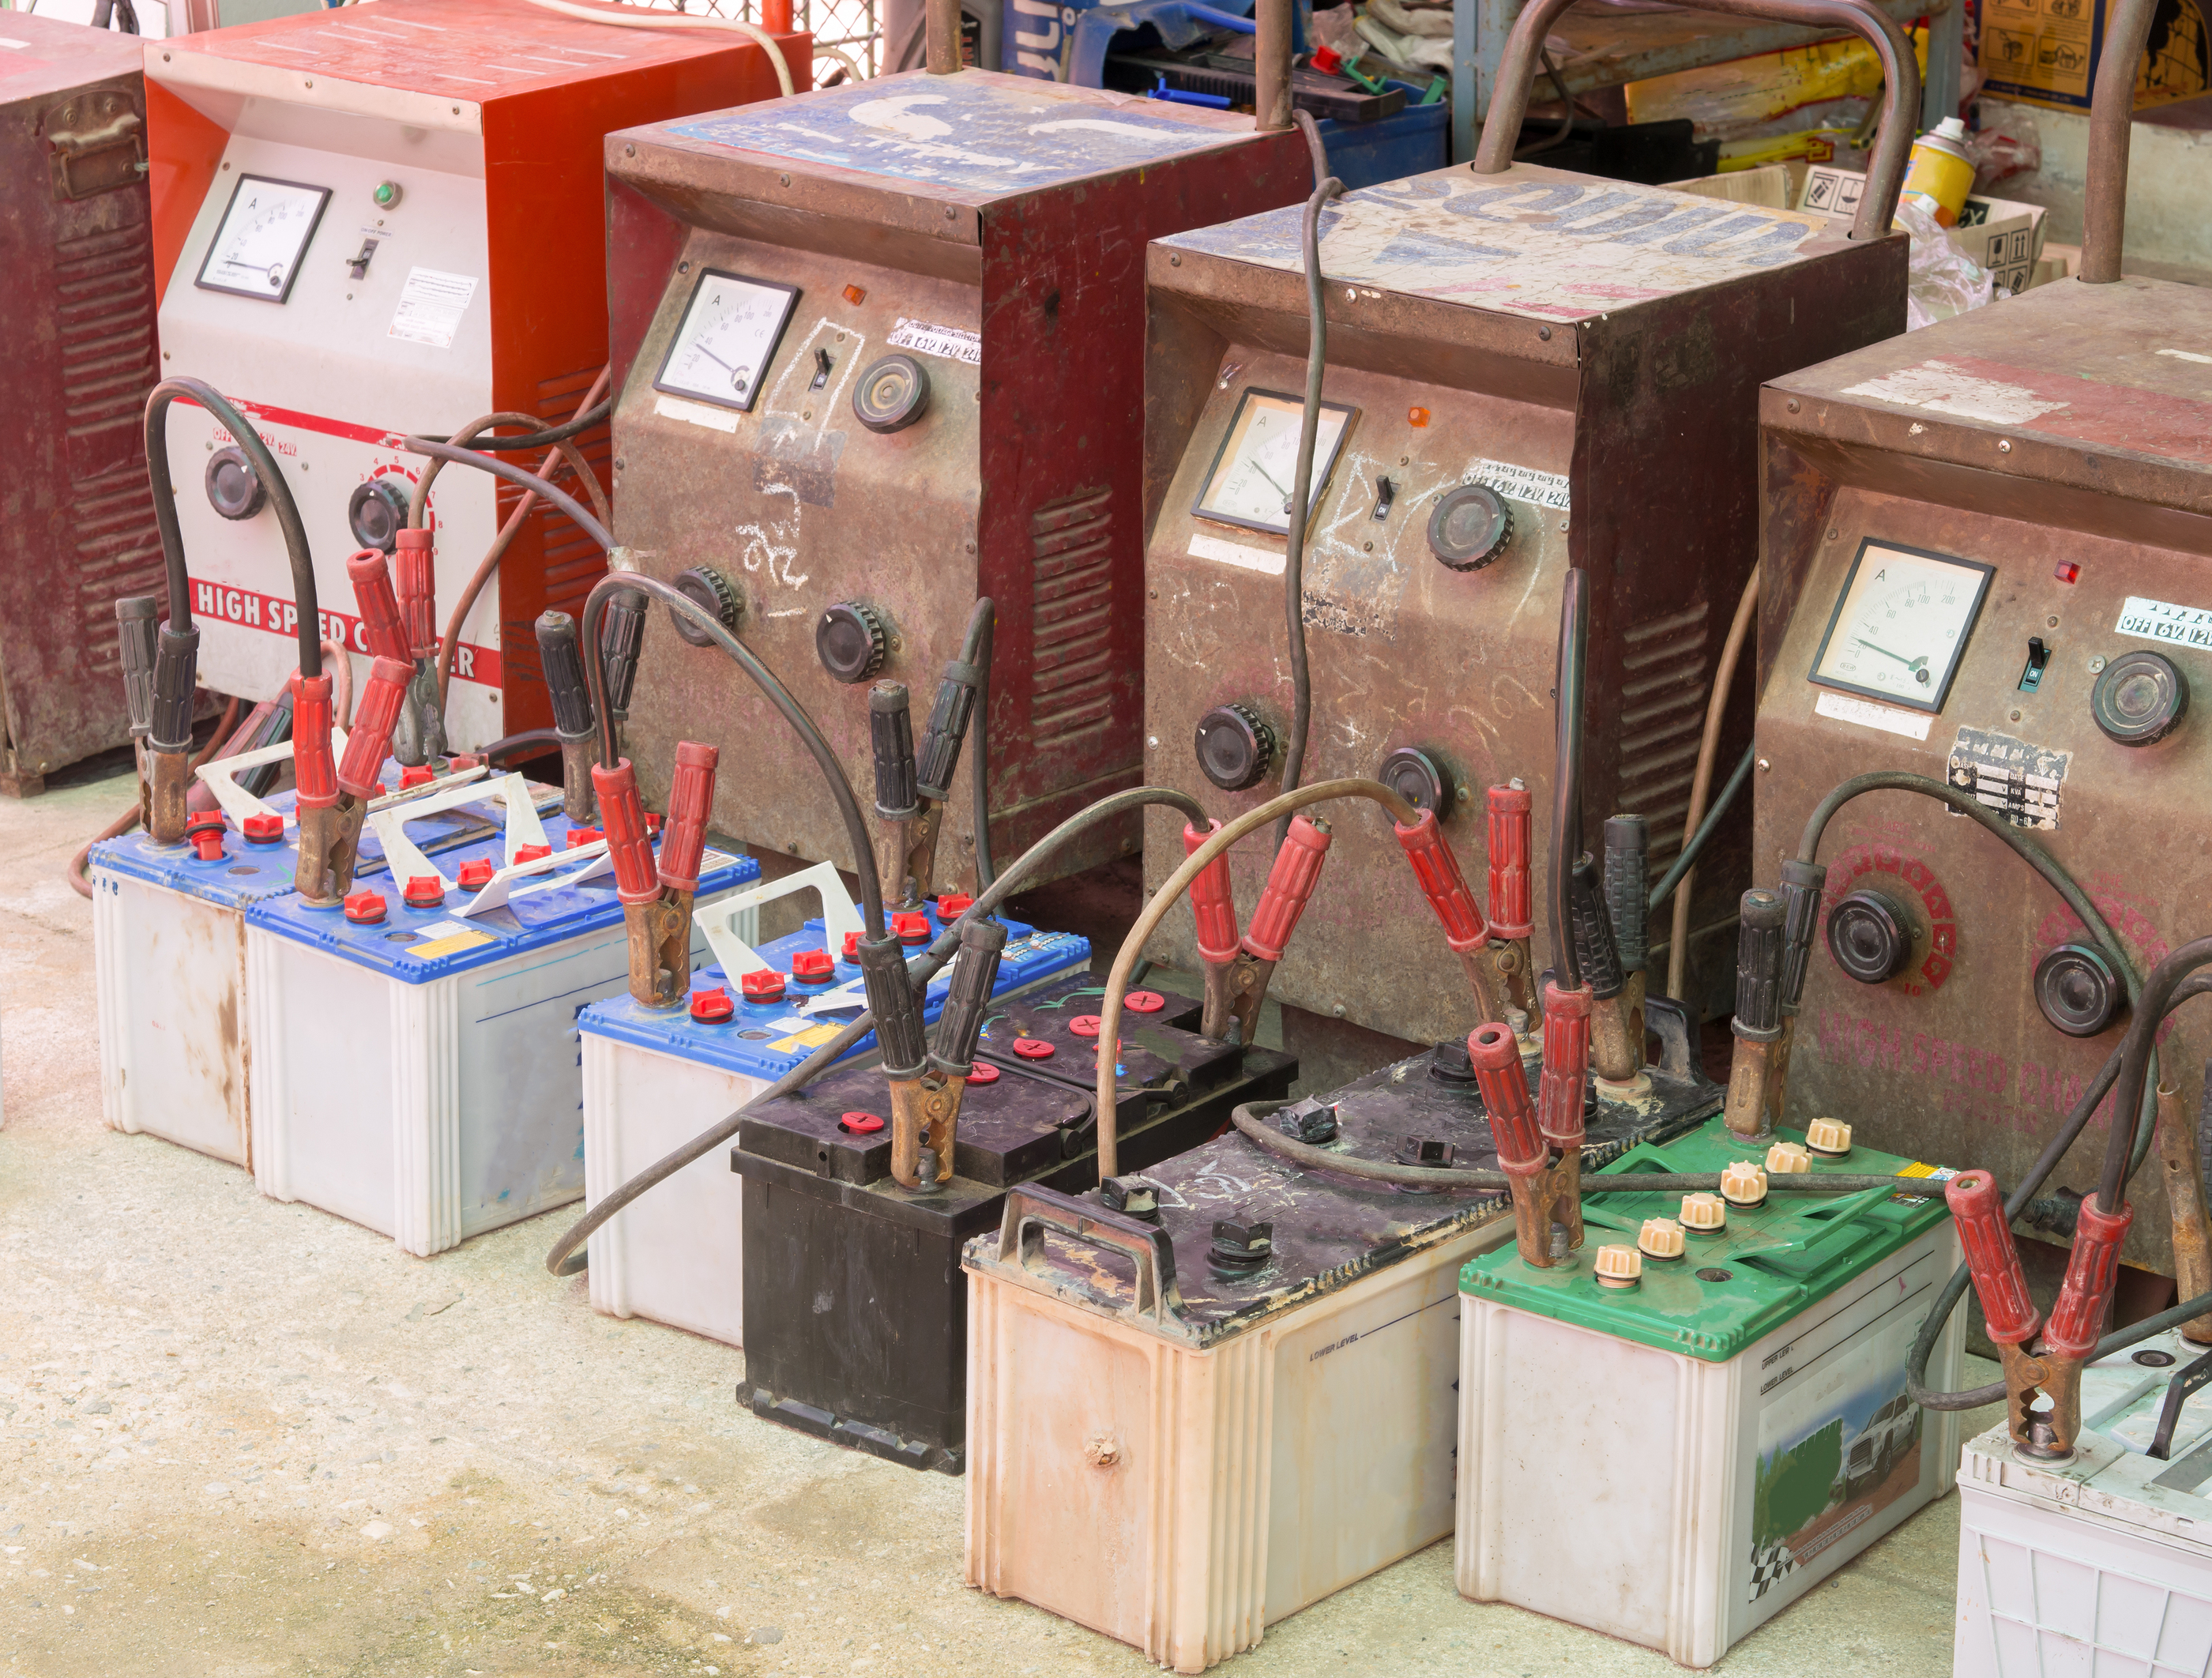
<point x="719" y="920"/>
<point x="503" y="887"/>
<point x="220" y="777"/>
<point x="390" y="815"/>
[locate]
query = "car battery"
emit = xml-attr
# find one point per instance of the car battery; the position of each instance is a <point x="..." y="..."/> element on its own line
<point x="169" y="925"/>
<point x="1183" y="1431"/>
<point x="1738" y="1412"/>
<point x="77" y="317"/>
<point x="856" y="1312"/>
<point x="904" y="320"/>
<point x="416" y="1067"/>
<point x="655" y="1080"/>
<point x="369" y="224"/>
<point x="1987" y="550"/>
<point x="2099" y="1564"/>
<point x="1520" y="365"/>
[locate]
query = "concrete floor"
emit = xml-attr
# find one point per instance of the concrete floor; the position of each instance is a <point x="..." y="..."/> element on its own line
<point x="241" y="1439"/>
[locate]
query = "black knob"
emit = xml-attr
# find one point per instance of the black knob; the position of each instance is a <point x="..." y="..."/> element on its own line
<point x="233" y="489"/>
<point x="891" y="394"/>
<point x="1419" y="779"/>
<point x="1234" y="747"/>
<point x="712" y="592"/>
<point x="1870" y="935"/>
<point x="849" y="640"/>
<point x="2077" y="989"/>
<point x="2140" y="697"/>
<point x="1470" y="526"/>
<point x="376" y="512"/>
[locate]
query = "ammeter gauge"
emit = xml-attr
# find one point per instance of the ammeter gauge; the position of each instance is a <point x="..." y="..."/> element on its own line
<point x="728" y="337"/>
<point x="1900" y="623"/>
<point x="1249" y="483"/>
<point x="266" y="229"/>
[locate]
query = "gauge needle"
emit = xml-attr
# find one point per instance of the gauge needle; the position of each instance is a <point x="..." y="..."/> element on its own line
<point x="1270" y="476"/>
<point x="727" y="368"/>
<point x="1917" y="666"/>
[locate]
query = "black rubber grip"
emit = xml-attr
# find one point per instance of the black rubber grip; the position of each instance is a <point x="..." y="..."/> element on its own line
<point x="1595" y="954"/>
<point x="274" y="729"/>
<point x="176" y="672"/>
<point x="1801" y="885"/>
<point x="563" y="660"/>
<point x="622" y="638"/>
<point x="899" y="1028"/>
<point x="137" y="625"/>
<point x="1758" y="967"/>
<point x="1628" y="887"/>
<point x="975" y="972"/>
<point x="890" y="731"/>
<point x="948" y="729"/>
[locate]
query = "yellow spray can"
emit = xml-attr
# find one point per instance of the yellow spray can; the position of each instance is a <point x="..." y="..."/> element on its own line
<point x="1941" y="174"/>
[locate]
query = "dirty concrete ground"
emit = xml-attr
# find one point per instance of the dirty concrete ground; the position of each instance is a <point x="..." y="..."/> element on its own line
<point x="241" y="1439"/>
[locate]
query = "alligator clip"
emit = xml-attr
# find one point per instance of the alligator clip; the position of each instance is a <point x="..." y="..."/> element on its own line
<point x="1237" y="969"/>
<point x="333" y="805"/>
<point x="656" y="898"/>
<point x="1438" y="869"/>
<point x="1512" y="916"/>
<point x="926" y="1109"/>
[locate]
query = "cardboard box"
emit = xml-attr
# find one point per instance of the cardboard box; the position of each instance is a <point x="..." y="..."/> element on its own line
<point x="2003" y="236"/>
<point x="2045" y="52"/>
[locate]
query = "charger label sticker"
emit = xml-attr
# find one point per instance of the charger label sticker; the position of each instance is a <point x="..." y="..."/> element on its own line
<point x="949" y="342"/>
<point x="1241" y="554"/>
<point x="449" y="947"/>
<point x="2018" y="779"/>
<point x="1867" y="715"/>
<point x="2162" y="620"/>
<point x="714" y="419"/>
<point x="1524" y="483"/>
<point x="431" y="305"/>
<point x="812" y="1038"/>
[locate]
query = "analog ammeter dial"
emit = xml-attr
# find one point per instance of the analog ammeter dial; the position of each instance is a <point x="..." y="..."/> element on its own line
<point x="264" y="234"/>
<point x="728" y="336"/>
<point x="1900" y="623"/>
<point x="1250" y="482"/>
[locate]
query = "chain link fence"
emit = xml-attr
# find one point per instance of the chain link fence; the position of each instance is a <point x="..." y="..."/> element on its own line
<point x="853" y="27"/>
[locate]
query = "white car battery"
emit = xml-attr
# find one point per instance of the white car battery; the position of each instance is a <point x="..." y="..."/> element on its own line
<point x="1181" y="1431"/>
<point x="652" y="1080"/>
<point x="2104" y="1564"/>
<point x="415" y="1069"/>
<point x="1674" y="1462"/>
<point x="168" y="928"/>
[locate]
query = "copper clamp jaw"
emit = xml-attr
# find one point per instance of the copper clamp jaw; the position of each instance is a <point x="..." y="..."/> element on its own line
<point x="330" y="848"/>
<point x="925" y="1117"/>
<point x="1234" y="993"/>
<point x="2044" y="1435"/>
<point x="660" y="948"/>
<point x="1545" y="1200"/>
<point x="166" y="786"/>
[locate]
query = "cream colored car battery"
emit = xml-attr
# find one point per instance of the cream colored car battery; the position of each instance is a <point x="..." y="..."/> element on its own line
<point x="1674" y="1461"/>
<point x="169" y="949"/>
<point x="415" y="1065"/>
<point x="1182" y="1430"/>
<point x="2103" y="1564"/>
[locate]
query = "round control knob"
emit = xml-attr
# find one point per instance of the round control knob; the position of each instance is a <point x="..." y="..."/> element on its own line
<point x="376" y="512"/>
<point x="711" y="589"/>
<point x="891" y="394"/>
<point x="1870" y="936"/>
<point x="2077" y="989"/>
<point x="233" y="488"/>
<point x="1419" y="778"/>
<point x="2140" y="697"/>
<point x="848" y="638"/>
<point x="1234" y="746"/>
<point x="1470" y="526"/>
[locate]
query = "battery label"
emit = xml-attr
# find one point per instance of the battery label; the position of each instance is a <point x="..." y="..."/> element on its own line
<point x="950" y="342"/>
<point x="2018" y="779"/>
<point x="222" y="603"/>
<point x="431" y="305"/>
<point x="2162" y="620"/>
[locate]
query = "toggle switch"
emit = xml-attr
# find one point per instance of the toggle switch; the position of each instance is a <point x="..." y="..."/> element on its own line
<point x="2030" y="675"/>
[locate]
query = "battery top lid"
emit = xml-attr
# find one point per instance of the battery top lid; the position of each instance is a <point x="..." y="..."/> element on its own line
<point x="1728" y="1289"/>
<point x="1532" y="241"/>
<point x="976" y="136"/>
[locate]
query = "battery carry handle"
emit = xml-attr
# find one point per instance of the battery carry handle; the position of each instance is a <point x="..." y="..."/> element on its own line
<point x="1900" y="101"/>
<point x="1032" y="1211"/>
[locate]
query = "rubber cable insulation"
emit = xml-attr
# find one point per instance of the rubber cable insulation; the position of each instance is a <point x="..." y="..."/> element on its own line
<point x="1567" y="772"/>
<point x="1709" y="746"/>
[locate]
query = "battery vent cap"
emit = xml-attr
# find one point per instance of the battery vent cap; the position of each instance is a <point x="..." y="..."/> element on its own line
<point x="911" y="928"/>
<point x="1829" y="1138"/>
<point x="263" y="830"/>
<point x="1705" y="1213"/>
<point x="1234" y="747"/>
<point x="1661" y="1238"/>
<point x="812" y="967"/>
<point x="475" y="876"/>
<point x="2140" y="697"/>
<point x="1470" y="526"/>
<point x="365" y="909"/>
<point x="425" y="892"/>
<point x="712" y="1008"/>
<point x="416" y="774"/>
<point x="1133" y="1197"/>
<point x="1786" y="1158"/>
<point x="952" y="905"/>
<point x="982" y="1073"/>
<point x="531" y="853"/>
<point x="765" y="985"/>
<point x="1034" y="1049"/>
<point x="1144" y="1002"/>
<point x="849" y="640"/>
<point x="1743" y="1185"/>
<point x="1618" y="1267"/>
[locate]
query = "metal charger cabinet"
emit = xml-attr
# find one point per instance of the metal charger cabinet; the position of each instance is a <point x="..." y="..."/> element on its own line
<point x="1178" y="1438"/>
<point x="2100" y="1563"/>
<point x="2018" y="503"/>
<point x="654" y="1079"/>
<point x="1576" y="346"/>
<point x="941" y="386"/>
<point x="1714" y="1411"/>
<point x="883" y="1365"/>
<point x="387" y="222"/>
<point x="77" y="316"/>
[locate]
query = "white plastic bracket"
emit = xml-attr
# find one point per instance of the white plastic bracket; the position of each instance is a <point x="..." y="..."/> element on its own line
<point x="220" y="777"/>
<point x="506" y="883"/>
<point x="390" y="815"/>
<point x="720" y="919"/>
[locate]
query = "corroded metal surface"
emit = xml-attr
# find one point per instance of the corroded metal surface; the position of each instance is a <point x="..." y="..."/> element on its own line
<point x="2052" y="431"/>
<point x="1591" y="349"/>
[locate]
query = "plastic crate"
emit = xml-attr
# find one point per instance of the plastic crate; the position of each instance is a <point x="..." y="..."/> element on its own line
<point x="1408" y="141"/>
<point x="1737" y="1419"/>
<point x="421" y="1076"/>
<point x="2100" y="1565"/>
<point x="653" y="1080"/>
<point x="169" y="959"/>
